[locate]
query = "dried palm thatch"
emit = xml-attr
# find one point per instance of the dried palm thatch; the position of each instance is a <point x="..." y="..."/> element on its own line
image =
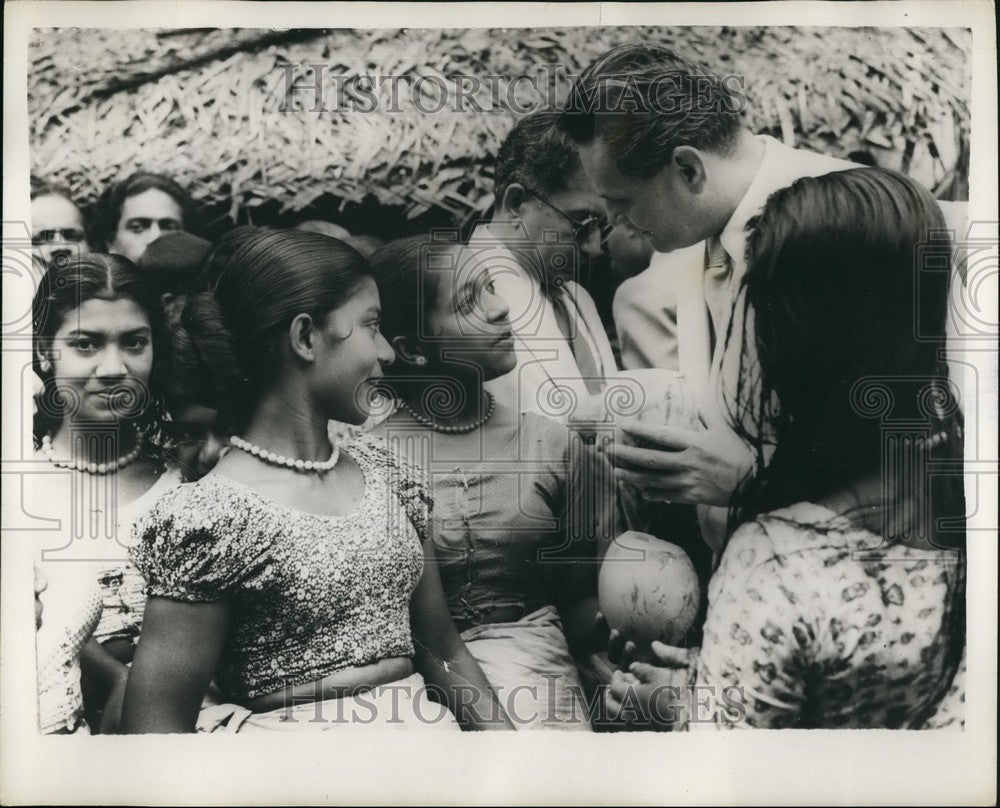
<point x="210" y="107"/>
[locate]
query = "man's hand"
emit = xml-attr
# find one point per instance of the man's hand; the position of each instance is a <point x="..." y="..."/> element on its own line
<point x="697" y="467"/>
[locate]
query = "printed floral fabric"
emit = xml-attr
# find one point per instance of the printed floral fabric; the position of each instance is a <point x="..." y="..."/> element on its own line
<point x="815" y="623"/>
<point x="311" y="594"/>
<point x="71" y="609"/>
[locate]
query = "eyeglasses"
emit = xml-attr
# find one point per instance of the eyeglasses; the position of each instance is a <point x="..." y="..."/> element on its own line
<point x="581" y="230"/>
<point x="68" y="234"/>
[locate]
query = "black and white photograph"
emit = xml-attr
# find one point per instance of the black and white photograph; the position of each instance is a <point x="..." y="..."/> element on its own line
<point x="607" y="377"/>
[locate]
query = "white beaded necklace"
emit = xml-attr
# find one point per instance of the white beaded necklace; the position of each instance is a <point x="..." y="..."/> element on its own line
<point x="454" y="430"/>
<point x="281" y="460"/>
<point x="93" y="468"/>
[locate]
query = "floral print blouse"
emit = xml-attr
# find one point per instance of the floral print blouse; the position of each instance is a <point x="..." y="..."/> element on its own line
<point x="312" y="594"/>
<point x="812" y="622"/>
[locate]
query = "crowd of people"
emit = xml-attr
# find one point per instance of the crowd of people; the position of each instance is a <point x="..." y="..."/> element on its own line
<point x="310" y="480"/>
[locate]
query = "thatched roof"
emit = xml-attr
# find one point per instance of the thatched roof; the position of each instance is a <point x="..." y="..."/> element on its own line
<point x="205" y="105"/>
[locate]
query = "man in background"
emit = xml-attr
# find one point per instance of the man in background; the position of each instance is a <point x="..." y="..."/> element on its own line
<point x="547" y="224"/>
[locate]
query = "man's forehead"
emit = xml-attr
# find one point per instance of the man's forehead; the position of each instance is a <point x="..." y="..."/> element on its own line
<point x="580" y="194"/>
<point x="600" y="168"/>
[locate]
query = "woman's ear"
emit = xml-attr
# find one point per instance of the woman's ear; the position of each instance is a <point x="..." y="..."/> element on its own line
<point x="44" y="360"/>
<point x="689" y="165"/>
<point x="302" y="337"/>
<point x="513" y="198"/>
<point x="408" y="355"/>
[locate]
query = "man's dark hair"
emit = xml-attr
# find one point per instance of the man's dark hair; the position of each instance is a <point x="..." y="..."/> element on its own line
<point x="41" y="187"/>
<point x="108" y="209"/>
<point x="644" y="101"/>
<point x="537" y="155"/>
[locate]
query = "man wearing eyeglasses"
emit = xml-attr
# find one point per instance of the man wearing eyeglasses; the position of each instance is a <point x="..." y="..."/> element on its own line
<point x="57" y="226"/>
<point x="547" y="225"/>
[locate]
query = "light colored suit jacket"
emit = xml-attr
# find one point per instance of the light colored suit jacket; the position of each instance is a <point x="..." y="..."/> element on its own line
<point x="645" y="314"/>
<point x="547" y="379"/>
<point x="676" y="322"/>
<point x="678" y="317"/>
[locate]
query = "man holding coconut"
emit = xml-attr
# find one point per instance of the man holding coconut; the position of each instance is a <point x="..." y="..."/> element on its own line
<point x="662" y="141"/>
<point x="808" y="625"/>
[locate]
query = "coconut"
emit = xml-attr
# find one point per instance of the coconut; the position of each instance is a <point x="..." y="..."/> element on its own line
<point x="648" y="590"/>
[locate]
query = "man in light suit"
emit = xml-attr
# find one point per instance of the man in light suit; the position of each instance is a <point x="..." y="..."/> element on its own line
<point x="662" y="141"/>
<point x="645" y="314"/>
<point x="547" y="223"/>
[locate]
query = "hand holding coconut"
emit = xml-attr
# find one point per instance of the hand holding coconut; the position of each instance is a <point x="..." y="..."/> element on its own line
<point x="648" y="591"/>
<point x="649" y="696"/>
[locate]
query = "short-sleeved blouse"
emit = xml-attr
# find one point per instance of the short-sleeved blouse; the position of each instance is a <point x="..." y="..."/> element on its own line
<point x="813" y="622"/>
<point x="311" y="594"/>
<point x="496" y="519"/>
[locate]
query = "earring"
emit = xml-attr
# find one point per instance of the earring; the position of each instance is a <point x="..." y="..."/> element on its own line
<point x="44" y="365"/>
<point x="421" y="361"/>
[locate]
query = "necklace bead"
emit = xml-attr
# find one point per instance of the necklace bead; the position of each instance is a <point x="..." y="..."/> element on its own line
<point x="111" y="467"/>
<point x="454" y="430"/>
<point x="281" y="460"/>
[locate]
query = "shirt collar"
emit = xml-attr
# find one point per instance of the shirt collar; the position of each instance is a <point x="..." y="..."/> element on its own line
<point x="764" y="183"/>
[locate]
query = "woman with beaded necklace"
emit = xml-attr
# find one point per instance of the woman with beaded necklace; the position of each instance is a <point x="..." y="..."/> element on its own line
<point x="522" y="509"/>
<point x="293" y="572"/>
<point x="100" y="348"/>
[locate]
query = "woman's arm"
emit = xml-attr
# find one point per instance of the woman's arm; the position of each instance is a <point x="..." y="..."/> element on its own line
<point x="103" y="682"/>
<point x="174" y="663"/>
<point x="442" y="658"/>
<point x="590" y="518"/>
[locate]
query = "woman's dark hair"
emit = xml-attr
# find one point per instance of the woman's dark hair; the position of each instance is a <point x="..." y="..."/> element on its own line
<point x="107" y="211"/>
<point x="408" y="293"/>
<point x="63" y="289"/>
<point x="845" y="303"/>
<point x="257" y="281"/>
<point x="846" y="298"/>
<point x="172" y="263"/>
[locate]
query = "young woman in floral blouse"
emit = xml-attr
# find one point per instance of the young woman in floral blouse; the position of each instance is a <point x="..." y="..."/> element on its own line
<point x="839" y="600"/>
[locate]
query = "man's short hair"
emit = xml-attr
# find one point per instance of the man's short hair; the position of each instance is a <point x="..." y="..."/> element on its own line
<point x="644" y="101"/>
<point x="537" y="155"/>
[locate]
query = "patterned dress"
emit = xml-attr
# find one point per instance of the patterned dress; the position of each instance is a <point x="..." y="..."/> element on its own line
<point x="311" y="594"/>
<point x="813" y="622"/>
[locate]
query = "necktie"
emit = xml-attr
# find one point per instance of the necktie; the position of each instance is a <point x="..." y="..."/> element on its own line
<point x="718" y="298"/>
<point x="570" y="326"/>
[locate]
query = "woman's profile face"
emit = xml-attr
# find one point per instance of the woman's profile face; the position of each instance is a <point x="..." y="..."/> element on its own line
<point x="350" y="354"/>
<point x="102" y="358"/>
<point x="468" y="323"/>
<point x="145" y="217"/>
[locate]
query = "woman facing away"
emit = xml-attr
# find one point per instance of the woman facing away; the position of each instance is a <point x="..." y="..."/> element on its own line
<point x="839" y="600"/>
<point x="101" y="345"/>
<point x="522" y="511"/>
<point x="293" y="572"/>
